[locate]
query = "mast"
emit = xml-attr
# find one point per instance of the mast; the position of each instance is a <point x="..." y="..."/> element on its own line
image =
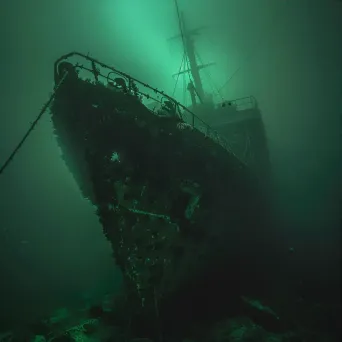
<point x="195" y="87"/>
<point x="189" y="47"/>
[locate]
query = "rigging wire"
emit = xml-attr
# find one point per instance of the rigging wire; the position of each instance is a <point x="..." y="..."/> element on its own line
<point x="32" y="126"/>
<point x="180" y="68"/>
<point x="180" y="24"/>
<point x="181" y="29"/>
<point x="213" y="85"/>
<point x="184" y="90"/>
<point x="185" y="60"/>
<point x="258" y="43"/>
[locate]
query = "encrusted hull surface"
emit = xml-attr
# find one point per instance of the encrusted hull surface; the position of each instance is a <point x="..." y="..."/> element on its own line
<point x="181" y="212"/>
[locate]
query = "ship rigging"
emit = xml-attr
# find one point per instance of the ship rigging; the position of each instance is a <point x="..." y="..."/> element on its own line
<point x="238" y="120"/>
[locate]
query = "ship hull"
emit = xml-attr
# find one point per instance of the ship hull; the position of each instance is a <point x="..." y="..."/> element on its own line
<point x="183" y="215"/>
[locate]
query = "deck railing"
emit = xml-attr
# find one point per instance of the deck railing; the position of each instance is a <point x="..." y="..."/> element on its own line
<point x="145" y="92"/>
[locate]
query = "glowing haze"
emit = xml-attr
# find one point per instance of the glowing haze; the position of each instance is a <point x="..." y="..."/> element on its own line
<point x="286" y="53"/>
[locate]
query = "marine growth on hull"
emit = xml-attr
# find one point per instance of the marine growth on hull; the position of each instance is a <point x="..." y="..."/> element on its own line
<point x="181" y="211"/>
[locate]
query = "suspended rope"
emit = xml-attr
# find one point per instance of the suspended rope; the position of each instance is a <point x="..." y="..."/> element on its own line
<point x="258" y="43"/>
<point x="33" y="125"/>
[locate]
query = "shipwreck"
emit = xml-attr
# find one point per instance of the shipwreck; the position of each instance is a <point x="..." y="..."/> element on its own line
<point x="187" y="222"/>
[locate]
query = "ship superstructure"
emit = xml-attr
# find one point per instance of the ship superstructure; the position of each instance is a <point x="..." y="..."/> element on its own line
<point x="239" y="121"/>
